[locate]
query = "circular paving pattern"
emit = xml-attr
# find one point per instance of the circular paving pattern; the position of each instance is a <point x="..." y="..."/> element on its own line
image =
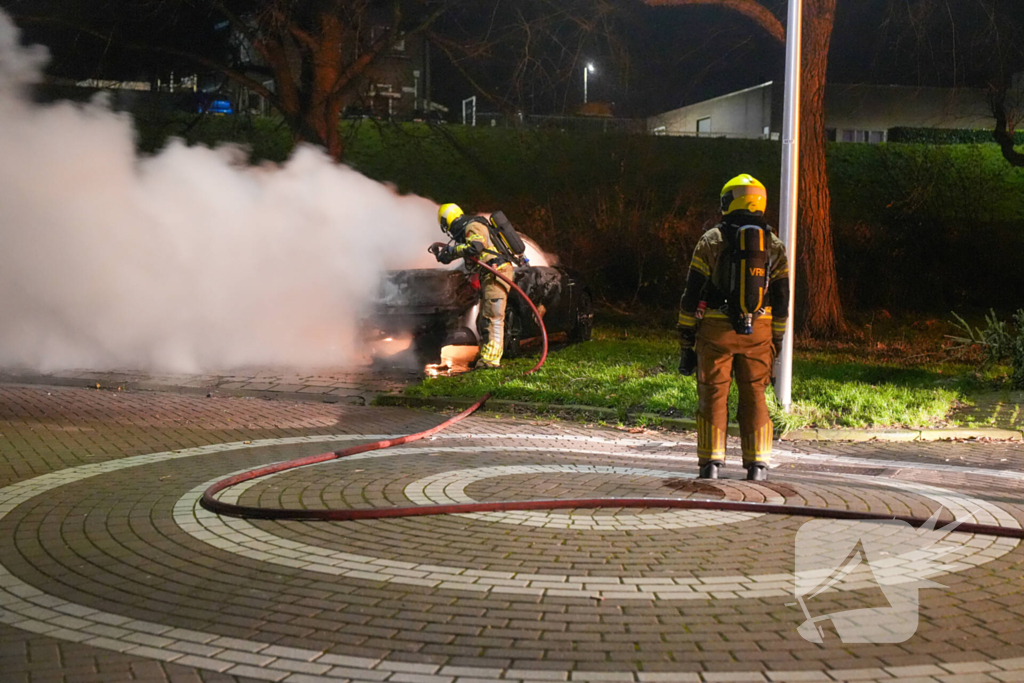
<point x="488" y="596"/>
<point x="450" y="487"/>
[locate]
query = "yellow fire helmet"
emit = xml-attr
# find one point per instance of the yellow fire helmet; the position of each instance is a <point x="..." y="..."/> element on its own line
<point x="448" y="214"/>
<point x="744" y="193"/>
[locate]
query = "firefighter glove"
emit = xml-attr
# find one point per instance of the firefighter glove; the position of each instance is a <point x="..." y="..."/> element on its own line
<point x="687" y="338"/>
<point x="687" y="362"/>
<point x="446" y="255"/>
<point x="777" y="346"/>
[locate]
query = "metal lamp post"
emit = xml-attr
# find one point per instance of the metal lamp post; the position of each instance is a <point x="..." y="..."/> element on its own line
<point x="790" y="191"/>
<point x="587" y="70"/>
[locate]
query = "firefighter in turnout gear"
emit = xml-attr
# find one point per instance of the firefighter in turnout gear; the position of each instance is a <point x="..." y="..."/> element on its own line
<point x="472" y="237"/>
<point x="739" y="278"/>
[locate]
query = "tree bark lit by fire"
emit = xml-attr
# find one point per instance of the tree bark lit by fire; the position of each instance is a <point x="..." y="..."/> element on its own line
<point x="818" y="284"/>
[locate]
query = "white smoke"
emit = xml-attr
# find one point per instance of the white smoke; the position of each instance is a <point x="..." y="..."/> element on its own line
<point x="536" y="255"/>
<point x="186" y="261"/>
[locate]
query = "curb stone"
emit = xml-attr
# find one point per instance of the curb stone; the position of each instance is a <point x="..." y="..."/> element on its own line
<point x="686" y="424"/>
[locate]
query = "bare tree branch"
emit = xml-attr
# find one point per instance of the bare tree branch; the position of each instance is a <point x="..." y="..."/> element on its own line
<point x="386" y="42"/>
<point x="303" y="37"/>
<point x="238" y="24"/>
<point x="449" y="48"/>
<point x="751" y="9"/>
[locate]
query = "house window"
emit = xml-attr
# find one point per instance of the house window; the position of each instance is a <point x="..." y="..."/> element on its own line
<point x="873" y="137"/>
<point x="704" y="125"/>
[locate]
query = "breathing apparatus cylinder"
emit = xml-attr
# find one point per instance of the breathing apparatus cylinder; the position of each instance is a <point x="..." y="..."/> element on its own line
<point x="749" y="277"/>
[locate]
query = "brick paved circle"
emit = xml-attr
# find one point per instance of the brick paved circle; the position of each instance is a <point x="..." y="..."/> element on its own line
<point x="450" y="487"/>
<point x="115" y="555"/>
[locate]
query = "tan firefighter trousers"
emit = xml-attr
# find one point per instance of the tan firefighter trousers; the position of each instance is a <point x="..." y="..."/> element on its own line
<point x="493" y="299"/>
<point x="722" y="352"/>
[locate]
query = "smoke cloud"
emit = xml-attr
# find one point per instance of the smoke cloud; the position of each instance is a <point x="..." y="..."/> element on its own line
<point x="185" y="261"/>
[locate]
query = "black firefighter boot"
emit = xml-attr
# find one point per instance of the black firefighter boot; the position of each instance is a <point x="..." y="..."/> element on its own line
<point x="709" y="470"/>
<point x="757" y="473"/>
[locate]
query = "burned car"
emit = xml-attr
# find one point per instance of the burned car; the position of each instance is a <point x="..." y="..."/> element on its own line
<point x="439" y="307"/>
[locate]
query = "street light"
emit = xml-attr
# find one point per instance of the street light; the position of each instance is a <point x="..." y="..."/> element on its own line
<point x="587" y="70"/>
<point x="790" y="191"/>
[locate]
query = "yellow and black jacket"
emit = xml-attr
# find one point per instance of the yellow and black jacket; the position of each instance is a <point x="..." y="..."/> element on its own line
<point x="705" y="282"/>
<point x="477" y="243"/>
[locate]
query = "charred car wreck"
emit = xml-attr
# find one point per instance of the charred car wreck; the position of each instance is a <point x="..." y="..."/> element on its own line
<point x="438" y="307"/>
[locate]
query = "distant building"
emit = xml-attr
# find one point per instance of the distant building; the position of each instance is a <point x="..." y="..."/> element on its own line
<point x="753" y="113"/>
<point x="145" y="98"/>
<point x="853" y="113"/>
<point x="397" y="84"/>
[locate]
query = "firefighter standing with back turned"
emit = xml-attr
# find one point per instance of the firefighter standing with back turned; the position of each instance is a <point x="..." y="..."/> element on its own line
<point x="740" y="270"/>
<point x="471" y="236"/>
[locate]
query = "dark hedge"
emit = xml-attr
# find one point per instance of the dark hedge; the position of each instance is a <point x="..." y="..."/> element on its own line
<point x="942" y="136"/>
<point x="917" y="227"/>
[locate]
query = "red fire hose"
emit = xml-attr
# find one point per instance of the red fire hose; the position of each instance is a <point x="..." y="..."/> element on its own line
<point x="210" y="502"/>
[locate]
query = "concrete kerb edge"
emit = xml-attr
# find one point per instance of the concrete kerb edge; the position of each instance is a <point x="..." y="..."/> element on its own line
<point x="686" y="424"/>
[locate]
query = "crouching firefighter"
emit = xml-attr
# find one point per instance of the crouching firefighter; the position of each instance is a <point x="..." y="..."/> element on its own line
<point x="496" y="243"/>
<point x="739" y="276"/>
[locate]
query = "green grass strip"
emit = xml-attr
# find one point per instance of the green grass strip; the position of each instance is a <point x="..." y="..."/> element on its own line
<point x="638" y="374"/>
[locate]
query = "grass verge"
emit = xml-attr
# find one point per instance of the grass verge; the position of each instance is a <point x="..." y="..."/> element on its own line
<point x="635" y="371"/>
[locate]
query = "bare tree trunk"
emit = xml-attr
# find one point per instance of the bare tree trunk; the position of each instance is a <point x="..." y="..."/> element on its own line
<point x="821" y="312"/>
<point x="322" y="129"/>
<point x="327" y="73"/>
<point x="1005" y="129"/>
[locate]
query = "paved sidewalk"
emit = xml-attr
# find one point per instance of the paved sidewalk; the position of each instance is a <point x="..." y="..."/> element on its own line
<point x="356" y="386"/>
<point x="110" y="572"/>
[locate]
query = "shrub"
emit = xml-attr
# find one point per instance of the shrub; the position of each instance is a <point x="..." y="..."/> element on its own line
<point x="1001" y="340"/>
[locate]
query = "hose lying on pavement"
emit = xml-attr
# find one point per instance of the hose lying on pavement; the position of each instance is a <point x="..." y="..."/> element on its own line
<point x="210" y="501"/>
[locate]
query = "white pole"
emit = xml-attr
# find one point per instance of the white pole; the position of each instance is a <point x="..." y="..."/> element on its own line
<point x="586" y="71"/>
<point x="790" y="191"/>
